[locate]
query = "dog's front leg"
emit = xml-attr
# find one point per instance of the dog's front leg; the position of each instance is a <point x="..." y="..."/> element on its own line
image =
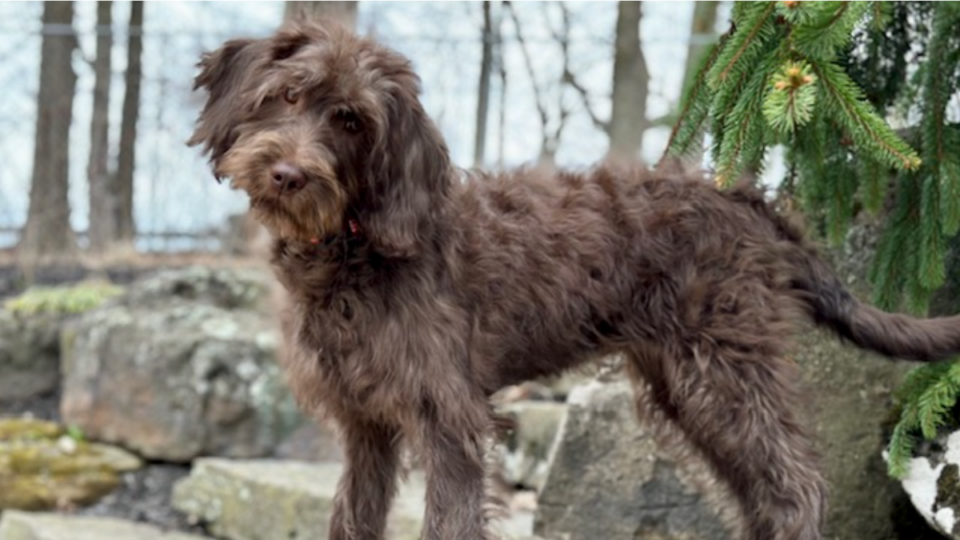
<point x="369" y="481"/>
<point x="454" y="435"/>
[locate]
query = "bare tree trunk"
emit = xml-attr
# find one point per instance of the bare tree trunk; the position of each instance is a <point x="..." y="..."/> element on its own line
<point x="628" y="116"/>
<point x="126" y="161"/>
<point x="502" y="115"/>
<point x="103" y="195"/>
<point x="483" y="99"/>
<point x="701" y="29"/>
<point x="344" y="12"/>
<point x="47" y="234"/>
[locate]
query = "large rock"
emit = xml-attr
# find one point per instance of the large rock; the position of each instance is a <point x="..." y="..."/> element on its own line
<point x="933" y="484"/>
<point x="849" y="399"/>
<point x="30" y="526"/>
<point x="849" y="396"/>
<point x="525" y="451"/>
<point x="610" y="479"/>
<point x="30" y="326"/>
<point x="29" y="354"/>
<point x="180" y="366"/>
<point x="41" y="467"/>
<point x="267" y="500"/>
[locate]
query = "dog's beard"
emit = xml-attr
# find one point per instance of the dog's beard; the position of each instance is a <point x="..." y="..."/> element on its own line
<point x="315" y="211"/>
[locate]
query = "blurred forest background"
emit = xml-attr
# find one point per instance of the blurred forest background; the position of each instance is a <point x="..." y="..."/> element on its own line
<point x="98" y="102"/>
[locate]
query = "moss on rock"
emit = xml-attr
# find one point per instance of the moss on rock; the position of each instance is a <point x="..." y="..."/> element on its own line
<point x="41" y="467"/>
<point x="62" y="299"/>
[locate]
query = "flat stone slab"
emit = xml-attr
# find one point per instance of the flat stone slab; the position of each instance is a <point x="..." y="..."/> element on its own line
<point x="16" y="525"/>
<point x="292" y="500"/>
<point x="269" y="499"/>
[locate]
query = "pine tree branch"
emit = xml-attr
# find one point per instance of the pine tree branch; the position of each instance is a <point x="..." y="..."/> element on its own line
<point x="935" y="402"/>
<point x="874" y="178"/>
<point x="693" y="95"/>
<point x="891" y="260"/>
<point x="879" y="16"/>
<point x="841" y="202"/>
<point x="950" y="193"/>
<point x="809" y="158"/>
<point x="855" y="111"/>
<point x="741" y="43"/>
<point x="747" y="144"/>
<point x="724" y="105"/>
<point x="932" y="247"/>
<point x="900" y="448"/>
<point x="824" y="36"/>
<point x="936" y="88"/>
<point x="839" y="13"/>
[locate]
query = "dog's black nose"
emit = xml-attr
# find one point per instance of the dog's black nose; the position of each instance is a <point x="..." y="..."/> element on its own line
<point x="287" y="178"/>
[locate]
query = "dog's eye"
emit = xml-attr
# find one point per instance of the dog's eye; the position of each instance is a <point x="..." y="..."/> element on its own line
<point x="350" y="121"/>
<point x="291" y="95"/>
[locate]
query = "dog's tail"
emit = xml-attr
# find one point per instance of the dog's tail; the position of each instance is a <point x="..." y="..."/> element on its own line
<point x="831" y="305"/>
<point x="890" y="334"/>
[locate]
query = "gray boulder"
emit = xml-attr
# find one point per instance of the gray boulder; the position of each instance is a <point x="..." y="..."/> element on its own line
<point x="525" y="451"/>
<point x="933" y="484"/>
<point x="180" y="366"/>
<point x="849" y="396"/>
<point x="29" y="354"/>
<point x="609" y="478"/>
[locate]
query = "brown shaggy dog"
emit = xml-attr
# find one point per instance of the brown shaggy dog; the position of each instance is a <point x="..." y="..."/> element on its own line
<point x="417" y="290"/>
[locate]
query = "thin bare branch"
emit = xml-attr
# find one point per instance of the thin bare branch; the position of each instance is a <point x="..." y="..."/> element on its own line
<point x="528" y="62"/>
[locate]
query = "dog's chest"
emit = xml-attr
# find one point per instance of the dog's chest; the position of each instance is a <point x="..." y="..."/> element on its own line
<point x="369" y="341"/>
<point x="350" y="364"/>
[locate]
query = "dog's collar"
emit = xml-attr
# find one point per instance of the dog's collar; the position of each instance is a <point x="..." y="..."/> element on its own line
<point x="351" y="230"/>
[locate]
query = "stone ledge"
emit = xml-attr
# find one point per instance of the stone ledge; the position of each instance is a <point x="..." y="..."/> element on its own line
<point x="273" y="499"/>
<point x="17" y="525"/>
<point x="267" y="499"/>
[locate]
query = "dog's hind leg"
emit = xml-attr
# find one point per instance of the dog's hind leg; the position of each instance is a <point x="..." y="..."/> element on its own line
<point x="738" y="411"/>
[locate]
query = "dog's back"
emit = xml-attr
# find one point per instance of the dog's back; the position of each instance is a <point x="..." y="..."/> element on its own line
<point x="624" y="254"/>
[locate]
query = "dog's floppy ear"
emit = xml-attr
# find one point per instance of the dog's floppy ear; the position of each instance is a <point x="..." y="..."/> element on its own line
<point x="222" y="75"/>
<point x="409" y="168"/>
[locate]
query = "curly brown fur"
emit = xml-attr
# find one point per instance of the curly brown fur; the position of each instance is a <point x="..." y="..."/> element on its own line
<point x="417" y="290"/>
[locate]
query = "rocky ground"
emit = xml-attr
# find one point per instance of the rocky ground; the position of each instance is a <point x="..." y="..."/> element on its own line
<point x="143" y="495"/>
<point x="177" y="367"/>
<point x="179" y="370"/>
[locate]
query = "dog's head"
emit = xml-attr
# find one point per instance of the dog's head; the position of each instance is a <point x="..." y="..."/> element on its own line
<point x="317" y="125"/>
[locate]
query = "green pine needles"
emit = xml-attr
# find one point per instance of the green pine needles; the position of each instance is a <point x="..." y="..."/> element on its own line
<point x="924" y="402"/>
<point x="822" y="79"/>
<point x="789" y="104"/>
